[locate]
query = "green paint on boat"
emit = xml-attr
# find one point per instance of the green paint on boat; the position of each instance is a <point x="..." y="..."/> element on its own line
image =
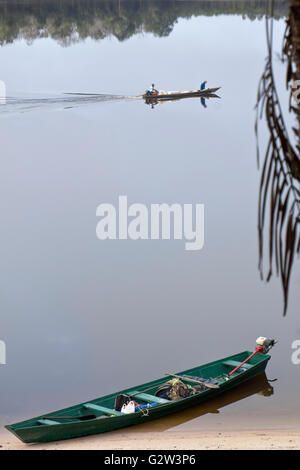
<point x="44" y="429"/>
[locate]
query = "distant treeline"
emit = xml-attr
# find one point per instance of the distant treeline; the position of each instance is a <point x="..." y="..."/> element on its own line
<point x="69" y="21"/>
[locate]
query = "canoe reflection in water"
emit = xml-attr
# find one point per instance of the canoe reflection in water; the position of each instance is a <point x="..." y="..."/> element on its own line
<point x="259" y="385"/>
<point x="152" y="102"/>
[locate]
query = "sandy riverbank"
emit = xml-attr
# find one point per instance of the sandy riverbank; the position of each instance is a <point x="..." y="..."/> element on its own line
<point x="120" y="440"/>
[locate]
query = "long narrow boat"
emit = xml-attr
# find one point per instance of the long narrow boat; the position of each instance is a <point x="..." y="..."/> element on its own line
<point x="53" y="426"/>
<point x="175" y="95"/>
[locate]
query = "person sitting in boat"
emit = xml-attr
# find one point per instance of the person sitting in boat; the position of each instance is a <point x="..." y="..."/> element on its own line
<point x="202" y="86"/>
<point x="152" y="90"/>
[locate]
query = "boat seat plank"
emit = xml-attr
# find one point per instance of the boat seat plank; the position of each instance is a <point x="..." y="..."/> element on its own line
<point x="147" y="397"/>
<point x="235" y="364"/>
<point x="48" y="422"/>
<point x="103" y="409"/>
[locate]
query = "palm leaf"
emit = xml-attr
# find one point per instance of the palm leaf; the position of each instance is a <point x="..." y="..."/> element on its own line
<point x="279" y="190"/>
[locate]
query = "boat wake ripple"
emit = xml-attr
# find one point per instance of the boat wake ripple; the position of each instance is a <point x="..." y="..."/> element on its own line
<point x="65" y="101"/>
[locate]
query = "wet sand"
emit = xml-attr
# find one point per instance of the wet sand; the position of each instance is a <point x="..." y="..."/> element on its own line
<point x="170" y="440"/>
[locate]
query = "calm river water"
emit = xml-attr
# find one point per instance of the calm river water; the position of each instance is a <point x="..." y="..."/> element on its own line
<point x="82" y="317"/>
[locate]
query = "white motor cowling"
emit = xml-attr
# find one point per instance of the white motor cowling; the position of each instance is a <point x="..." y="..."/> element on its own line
<point x="265" y="343"/>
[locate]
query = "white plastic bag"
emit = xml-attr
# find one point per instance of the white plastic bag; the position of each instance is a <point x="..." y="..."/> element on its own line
<point x="129" y="408"/>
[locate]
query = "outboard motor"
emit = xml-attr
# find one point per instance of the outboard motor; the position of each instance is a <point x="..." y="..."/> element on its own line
<point x="265" y="344"/>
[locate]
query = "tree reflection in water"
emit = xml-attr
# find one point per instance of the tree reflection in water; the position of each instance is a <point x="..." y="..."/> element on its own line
<point x="279" y="192"/>
<point x="71" y="21"/>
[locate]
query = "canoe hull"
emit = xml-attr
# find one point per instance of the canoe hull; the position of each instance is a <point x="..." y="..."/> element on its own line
<point x="47" y="433"/>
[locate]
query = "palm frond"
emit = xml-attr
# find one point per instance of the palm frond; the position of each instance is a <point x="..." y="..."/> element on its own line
<point x="279" y="192"/>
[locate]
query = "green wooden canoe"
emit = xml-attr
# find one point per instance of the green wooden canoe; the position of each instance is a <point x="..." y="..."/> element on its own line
<point x="44" y="429"/>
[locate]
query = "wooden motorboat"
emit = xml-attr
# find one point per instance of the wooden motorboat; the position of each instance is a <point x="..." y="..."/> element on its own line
<point x="175" y="95"/>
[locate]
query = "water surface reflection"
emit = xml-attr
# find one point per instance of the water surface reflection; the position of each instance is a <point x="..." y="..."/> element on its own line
<point x="71" y="21"/>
